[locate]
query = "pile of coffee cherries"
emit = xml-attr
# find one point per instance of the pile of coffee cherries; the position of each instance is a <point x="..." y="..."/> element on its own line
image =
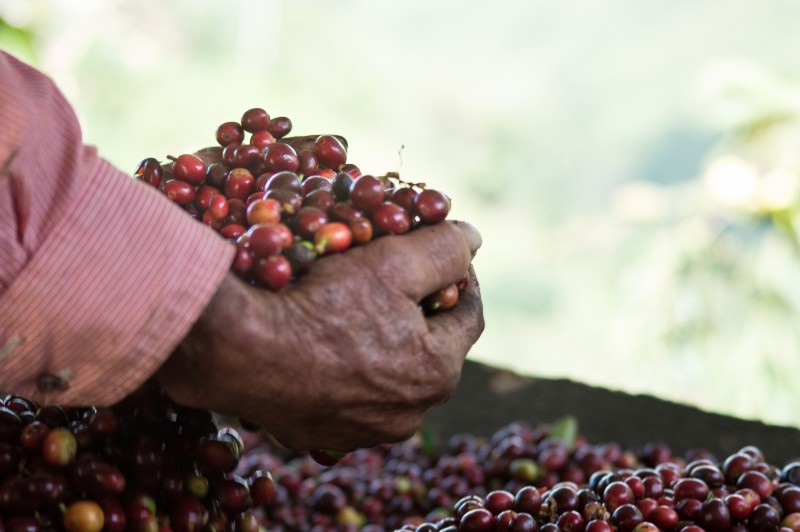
<point x="528" y="479"/>
<point x="287" y="200"/>
<point x="150" y="465"/>
<point x="145" y="465"/>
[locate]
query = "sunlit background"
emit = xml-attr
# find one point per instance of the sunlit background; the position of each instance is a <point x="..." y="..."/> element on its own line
<point x="632" y="165"/>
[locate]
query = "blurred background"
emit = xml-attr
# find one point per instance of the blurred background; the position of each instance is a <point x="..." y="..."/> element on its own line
<point x="633" y="166"/>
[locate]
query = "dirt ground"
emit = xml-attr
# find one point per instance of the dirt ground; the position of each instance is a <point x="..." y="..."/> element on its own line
<point x="488" y="398"/>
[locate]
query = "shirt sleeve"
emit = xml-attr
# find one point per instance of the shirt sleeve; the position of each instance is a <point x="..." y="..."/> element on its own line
<point x="101" y="276"/>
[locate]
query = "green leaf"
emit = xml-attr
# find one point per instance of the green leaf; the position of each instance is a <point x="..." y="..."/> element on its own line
<point x="565" y="429"/>
<point x="428" y="438"/>
<point x="18" y="42"/>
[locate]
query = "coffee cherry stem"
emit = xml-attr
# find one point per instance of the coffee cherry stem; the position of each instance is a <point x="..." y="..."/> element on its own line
<point x="395" y="176"/>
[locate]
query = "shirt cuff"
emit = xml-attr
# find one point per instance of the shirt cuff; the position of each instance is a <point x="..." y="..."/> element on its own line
<point x="108" y="296"/>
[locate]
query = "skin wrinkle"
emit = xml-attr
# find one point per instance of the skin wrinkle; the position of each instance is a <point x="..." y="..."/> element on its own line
<point x="302" y="305"/>
<point x="401" y="339"/>
<point x="340" y="333"/>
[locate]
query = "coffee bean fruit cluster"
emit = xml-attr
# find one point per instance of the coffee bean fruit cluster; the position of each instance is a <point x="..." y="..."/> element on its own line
<point x="286" y="201"/>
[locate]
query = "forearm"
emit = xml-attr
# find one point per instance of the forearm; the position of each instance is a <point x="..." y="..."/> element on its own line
<point x="101" y="276"/>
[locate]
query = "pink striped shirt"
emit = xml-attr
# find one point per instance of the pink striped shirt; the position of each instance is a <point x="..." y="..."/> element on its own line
<point x="100" y="275"/>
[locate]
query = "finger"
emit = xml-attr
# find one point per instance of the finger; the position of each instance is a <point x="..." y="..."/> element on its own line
<point x="456" y="330"/>
<point x="422" y="261"/>
<point x="471" y="234"/>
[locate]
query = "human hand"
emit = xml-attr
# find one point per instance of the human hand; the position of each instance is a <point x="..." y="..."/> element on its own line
<point x="344" y="358"/>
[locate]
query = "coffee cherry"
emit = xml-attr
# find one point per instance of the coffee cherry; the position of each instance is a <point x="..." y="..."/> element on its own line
<point x="230" y="133"/>
<point x="366" y="193"/>
<point x="263" y="240"/>
<point x="572" y="521"/>
<point x="262" y="488"/>
<point x="284" y="180"/>
<point x="274" y="272"/>
<point x="764" y="518"/>
<point x="279" y="157"/>
<point x="150" y="171"/>
<point x="301" y="255"/>
<point x="32" y="436"/>
<point x="308" y="221"/>
<point x="791" y="521"/>
<point x="352" y="170"/>
<point x="478" y="520"/>
<point x="626" y="517"/>
<point x="215" y="175"/>
<point x="203" y="196"/>
<point x="83" y="516"/>
<point x="59" y="447"/>
<point x="237" y="212"/>
<point x="232" y="231"/>
<point x="255" y="196"/>
<point x="280" y="127"/>
<point x="405" y="197"/>
<point x="791" y="473"/>
<point x="229" y="154"/>
<point x="390" y="218"/>
<point x="616" y="494"/>
<point x="431" y="206"/>
<point x="757" y="482"/>
<point x="262" y="139"/>
<point x="179" y="191"/>
<point x="313" y="183"/>
<point x="736" y="465"/>
<point x="189" y="168"/>
<point x="218" y="208"/>
<point x="187" y="514"/>
<point x="215" y="455"/>
<point x="210" y="221"/>
<point x="340" y="186"/>
<point x="243" y="261"/>
<point x="525" y="523"/>
<point x="789" y="499"/>
<point x="445" y="299"/>
<point x="714" y="515"/>
<point x="663" y="517"/>
<point x="107" y="479"/>
<point x="330" y="151"/>
<point x="333" y="237"/>
<point x="246" y="156"/>
<point x="265" y="211"/>
<point x="10" y="458"/>
<point x="690" y="488"/>
<point x="499" y="501"/>
<point x="361" y="229"/>
<point x="688" y="509"/>
<point x="290" y="202"/>
<point x="233" y="496"/>
<point x="308" y="164"/>
<point x="255" y="119"/>
<point x="239" y="184"/>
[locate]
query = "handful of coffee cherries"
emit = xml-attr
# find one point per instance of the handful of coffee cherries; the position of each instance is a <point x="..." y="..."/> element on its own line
<point x="287" y="201"/>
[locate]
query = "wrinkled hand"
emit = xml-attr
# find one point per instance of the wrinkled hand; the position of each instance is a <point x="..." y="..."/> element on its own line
<point x="344" y="358"/>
